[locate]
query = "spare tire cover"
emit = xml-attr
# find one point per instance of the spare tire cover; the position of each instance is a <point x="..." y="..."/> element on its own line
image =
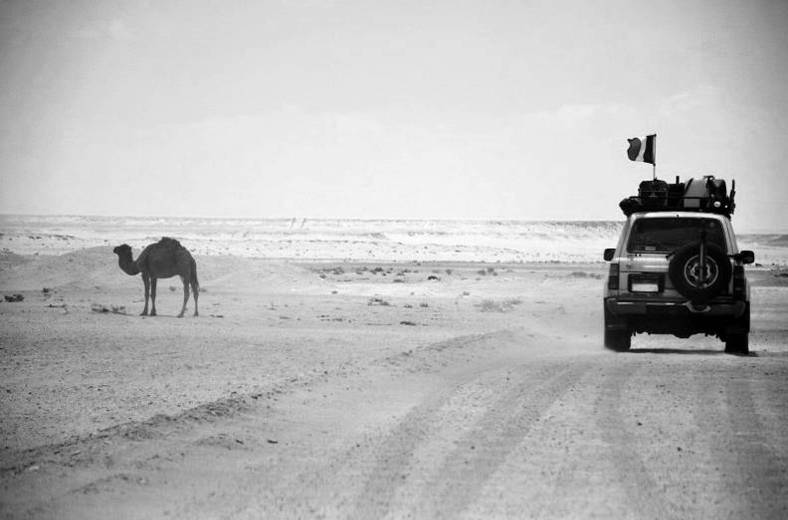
<point x="688" y="279"/>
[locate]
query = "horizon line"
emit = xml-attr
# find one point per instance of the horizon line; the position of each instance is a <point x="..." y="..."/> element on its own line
<point x="291" y="217"/>
<point x="745" y="230"/>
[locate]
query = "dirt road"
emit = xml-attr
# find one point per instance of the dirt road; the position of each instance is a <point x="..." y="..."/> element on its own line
<point x="486" y="408"/>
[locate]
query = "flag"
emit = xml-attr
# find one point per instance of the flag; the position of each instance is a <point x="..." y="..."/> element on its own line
<point x="644" y="150"/>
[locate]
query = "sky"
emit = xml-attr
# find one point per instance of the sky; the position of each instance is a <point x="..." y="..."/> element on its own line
<point x="387" y="109"/>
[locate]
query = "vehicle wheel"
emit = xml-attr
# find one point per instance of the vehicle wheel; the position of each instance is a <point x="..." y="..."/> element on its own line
<point x="737" y="344"/>
<point x="685" y="272"/>
<point x="618" y="340"/>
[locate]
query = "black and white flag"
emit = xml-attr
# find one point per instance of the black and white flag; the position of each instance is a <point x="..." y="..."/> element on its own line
<point x="644" y="150"/>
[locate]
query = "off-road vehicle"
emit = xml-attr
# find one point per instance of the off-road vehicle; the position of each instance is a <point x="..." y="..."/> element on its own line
<point x="677" y="269"/>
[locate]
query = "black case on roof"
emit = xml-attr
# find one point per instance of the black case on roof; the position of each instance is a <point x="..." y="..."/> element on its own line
<point x="706" y="194"/>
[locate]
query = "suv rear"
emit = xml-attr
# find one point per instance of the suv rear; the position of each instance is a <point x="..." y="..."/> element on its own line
<point x="677" y="271"/>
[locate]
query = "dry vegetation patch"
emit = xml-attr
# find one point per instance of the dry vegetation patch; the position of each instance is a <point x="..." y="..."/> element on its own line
<point x="498" y="305"/>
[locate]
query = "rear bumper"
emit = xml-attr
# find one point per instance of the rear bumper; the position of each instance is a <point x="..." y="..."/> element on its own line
<point x="624" y="307"/>
<point x="679" y="318"/>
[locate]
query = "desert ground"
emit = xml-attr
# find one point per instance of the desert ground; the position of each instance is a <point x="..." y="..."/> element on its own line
<point x="373" y="390"/>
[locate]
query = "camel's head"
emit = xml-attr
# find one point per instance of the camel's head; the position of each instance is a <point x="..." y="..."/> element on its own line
<point x="122" y="250"/>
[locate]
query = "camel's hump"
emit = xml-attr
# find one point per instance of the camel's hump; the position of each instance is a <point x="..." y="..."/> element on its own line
<point x="165" y="246"/>
<point x="165" y="250"/>
<point x="169" y="243"/>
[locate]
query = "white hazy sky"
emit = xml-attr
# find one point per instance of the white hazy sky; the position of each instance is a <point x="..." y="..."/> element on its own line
<point x="387" y="109"/>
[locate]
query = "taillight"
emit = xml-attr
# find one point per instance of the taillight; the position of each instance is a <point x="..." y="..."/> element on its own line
<point x="612" y="279"/>
<point x="739" y="283"/>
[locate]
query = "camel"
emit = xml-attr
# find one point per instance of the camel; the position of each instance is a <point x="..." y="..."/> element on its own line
<point x="164" y="259"/>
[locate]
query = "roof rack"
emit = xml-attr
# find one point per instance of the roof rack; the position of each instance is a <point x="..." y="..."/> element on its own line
<point x="706" y="194"/>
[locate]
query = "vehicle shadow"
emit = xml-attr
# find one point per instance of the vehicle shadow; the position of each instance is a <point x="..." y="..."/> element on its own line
<point x="702" y="352"/>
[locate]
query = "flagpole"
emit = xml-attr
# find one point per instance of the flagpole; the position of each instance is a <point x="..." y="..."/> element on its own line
<point x="653" y="156"/>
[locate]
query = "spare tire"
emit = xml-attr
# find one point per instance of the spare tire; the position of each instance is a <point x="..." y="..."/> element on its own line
<point x="688" y="279"/>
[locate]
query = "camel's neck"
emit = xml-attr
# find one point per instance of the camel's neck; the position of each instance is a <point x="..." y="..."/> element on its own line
<point x="128" y="265"/>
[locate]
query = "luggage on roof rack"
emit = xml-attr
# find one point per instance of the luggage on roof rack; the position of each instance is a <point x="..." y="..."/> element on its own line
<point x="654" y="193"/>
<point x="705" y="194"/>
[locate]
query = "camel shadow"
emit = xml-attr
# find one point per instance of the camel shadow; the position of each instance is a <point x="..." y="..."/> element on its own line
<point x="702" y="352"/>
<point x="163" y="317"/>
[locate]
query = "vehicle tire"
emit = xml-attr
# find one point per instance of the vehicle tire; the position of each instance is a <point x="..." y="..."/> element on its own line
<point x="684" y="272"/>
<point x="618" y="339"/>
<point x="738" y="343"/>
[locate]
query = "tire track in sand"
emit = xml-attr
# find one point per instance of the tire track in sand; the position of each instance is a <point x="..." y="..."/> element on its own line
<point x="329" y="481"/>
<point x="752" y="474"/>
<point x="644" y="500"/>
<point x="446" y="490"/>
<point x="764" y="470"/>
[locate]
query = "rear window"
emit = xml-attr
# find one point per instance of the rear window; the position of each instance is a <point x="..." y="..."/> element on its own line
<point x="663" y="235"/>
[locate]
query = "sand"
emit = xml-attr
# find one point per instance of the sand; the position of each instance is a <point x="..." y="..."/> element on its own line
<point x="370" y="390"/>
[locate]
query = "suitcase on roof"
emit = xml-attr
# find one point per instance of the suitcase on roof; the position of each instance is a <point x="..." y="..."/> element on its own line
<point x="704" y="192"/>
<point x="653" y="194"/>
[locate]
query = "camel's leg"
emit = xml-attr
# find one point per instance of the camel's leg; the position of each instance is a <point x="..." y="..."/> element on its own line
<point x="195" y="292"/>
<point x="153" y="281"/>
<point x="185" y="296"/>
<point x="146" y="283"/>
